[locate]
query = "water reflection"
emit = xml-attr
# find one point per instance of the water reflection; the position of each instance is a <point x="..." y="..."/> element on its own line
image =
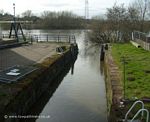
<point x="102" y="67"/>
<point x="81" y="95"/>
<point x="72" y="69"/>
<point x="40" y="104"/>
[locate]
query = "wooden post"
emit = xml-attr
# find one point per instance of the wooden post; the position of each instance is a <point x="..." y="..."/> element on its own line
<point x="102" y="53"/>
<point x="124" y="79"/>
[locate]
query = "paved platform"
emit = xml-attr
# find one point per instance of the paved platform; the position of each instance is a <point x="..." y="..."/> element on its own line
<point x="15" y="73"/>
<point x="26" y="55"/>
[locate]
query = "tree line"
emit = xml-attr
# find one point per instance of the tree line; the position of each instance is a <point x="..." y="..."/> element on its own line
<point x="47" y="20"/>
<point x="120" y="21"/>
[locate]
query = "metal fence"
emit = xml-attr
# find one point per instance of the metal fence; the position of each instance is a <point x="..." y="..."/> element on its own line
<point x="52" y="38"/>
<point x="45" y="37"/>
<point x="142" y="39"/>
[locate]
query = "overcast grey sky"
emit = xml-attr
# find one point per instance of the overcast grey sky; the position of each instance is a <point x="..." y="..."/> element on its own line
<point x="96" y="7"/>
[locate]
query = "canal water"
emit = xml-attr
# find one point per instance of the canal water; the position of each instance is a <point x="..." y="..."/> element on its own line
<point x="81" y="95"/>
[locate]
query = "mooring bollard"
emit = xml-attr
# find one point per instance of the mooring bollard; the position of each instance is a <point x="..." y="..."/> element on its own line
<point x="106" y="46"/>
<point x="102" y="53"/>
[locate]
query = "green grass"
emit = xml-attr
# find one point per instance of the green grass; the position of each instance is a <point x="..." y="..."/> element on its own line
<point x="137" y="69"/>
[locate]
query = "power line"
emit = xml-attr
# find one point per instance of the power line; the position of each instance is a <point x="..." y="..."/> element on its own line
<point x="86" y="9"/>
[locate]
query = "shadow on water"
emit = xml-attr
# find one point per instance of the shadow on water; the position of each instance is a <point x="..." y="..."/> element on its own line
<point x="102" y="68"/>
<point x="40" y="104"/>
<point x="77" y="96"/>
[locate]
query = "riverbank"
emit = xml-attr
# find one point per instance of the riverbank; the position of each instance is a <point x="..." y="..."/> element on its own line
<point x="18" y="97"/>
<point x="114" y="89"/>
<point x="131" y="64"/>
<point x="137" y="69"/>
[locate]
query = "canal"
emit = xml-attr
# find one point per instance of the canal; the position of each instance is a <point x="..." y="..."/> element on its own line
<point x="81" y="95"/>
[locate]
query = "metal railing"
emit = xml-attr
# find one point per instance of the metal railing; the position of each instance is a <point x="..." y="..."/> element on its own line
<point x="135" y="103"/>
<point x="141" y="110"/>
<point x="52" y="38"/>
<point x="140" y="35"/>
<point x="45" y="38"/>
<point x="142" y="39"/>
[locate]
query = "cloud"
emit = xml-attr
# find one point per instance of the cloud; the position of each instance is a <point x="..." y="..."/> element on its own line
<point x="76" y="6"/>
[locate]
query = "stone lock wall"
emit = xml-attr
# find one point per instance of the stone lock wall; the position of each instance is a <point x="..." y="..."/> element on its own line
<point x="39" y="81"/>
<point x="114" y="90"/>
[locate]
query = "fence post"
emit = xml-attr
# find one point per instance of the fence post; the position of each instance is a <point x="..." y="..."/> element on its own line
<point x="37" y="39"/>
<point x="146" y="45"/>
<point x="31" y="40"/>
<point x="74" y="39"/>
<point x="58" y="38"/>
<point x="47" y="37"/>
<point x="132" y="35"/>
<point x="69" y="39"/>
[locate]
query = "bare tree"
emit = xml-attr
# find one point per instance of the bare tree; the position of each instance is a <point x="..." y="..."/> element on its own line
<point x="133" y="22"/>
<point x="1" y="11"/>
<point x="27" y="13"/>
<point x="121" y="21"/>
<point x="142" y="7"/>
<point x="117" y="16"/>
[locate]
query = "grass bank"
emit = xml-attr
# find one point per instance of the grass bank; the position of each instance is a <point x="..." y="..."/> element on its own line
<point x="137" y="69"/>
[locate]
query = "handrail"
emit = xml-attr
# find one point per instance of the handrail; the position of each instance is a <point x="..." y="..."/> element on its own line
<point x="141" y="110"/>
<point x="59" y="38"/>
<point x="136" y="102"/>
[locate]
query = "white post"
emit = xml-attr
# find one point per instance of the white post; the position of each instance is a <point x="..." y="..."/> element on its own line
<point x="132" y="36"/>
